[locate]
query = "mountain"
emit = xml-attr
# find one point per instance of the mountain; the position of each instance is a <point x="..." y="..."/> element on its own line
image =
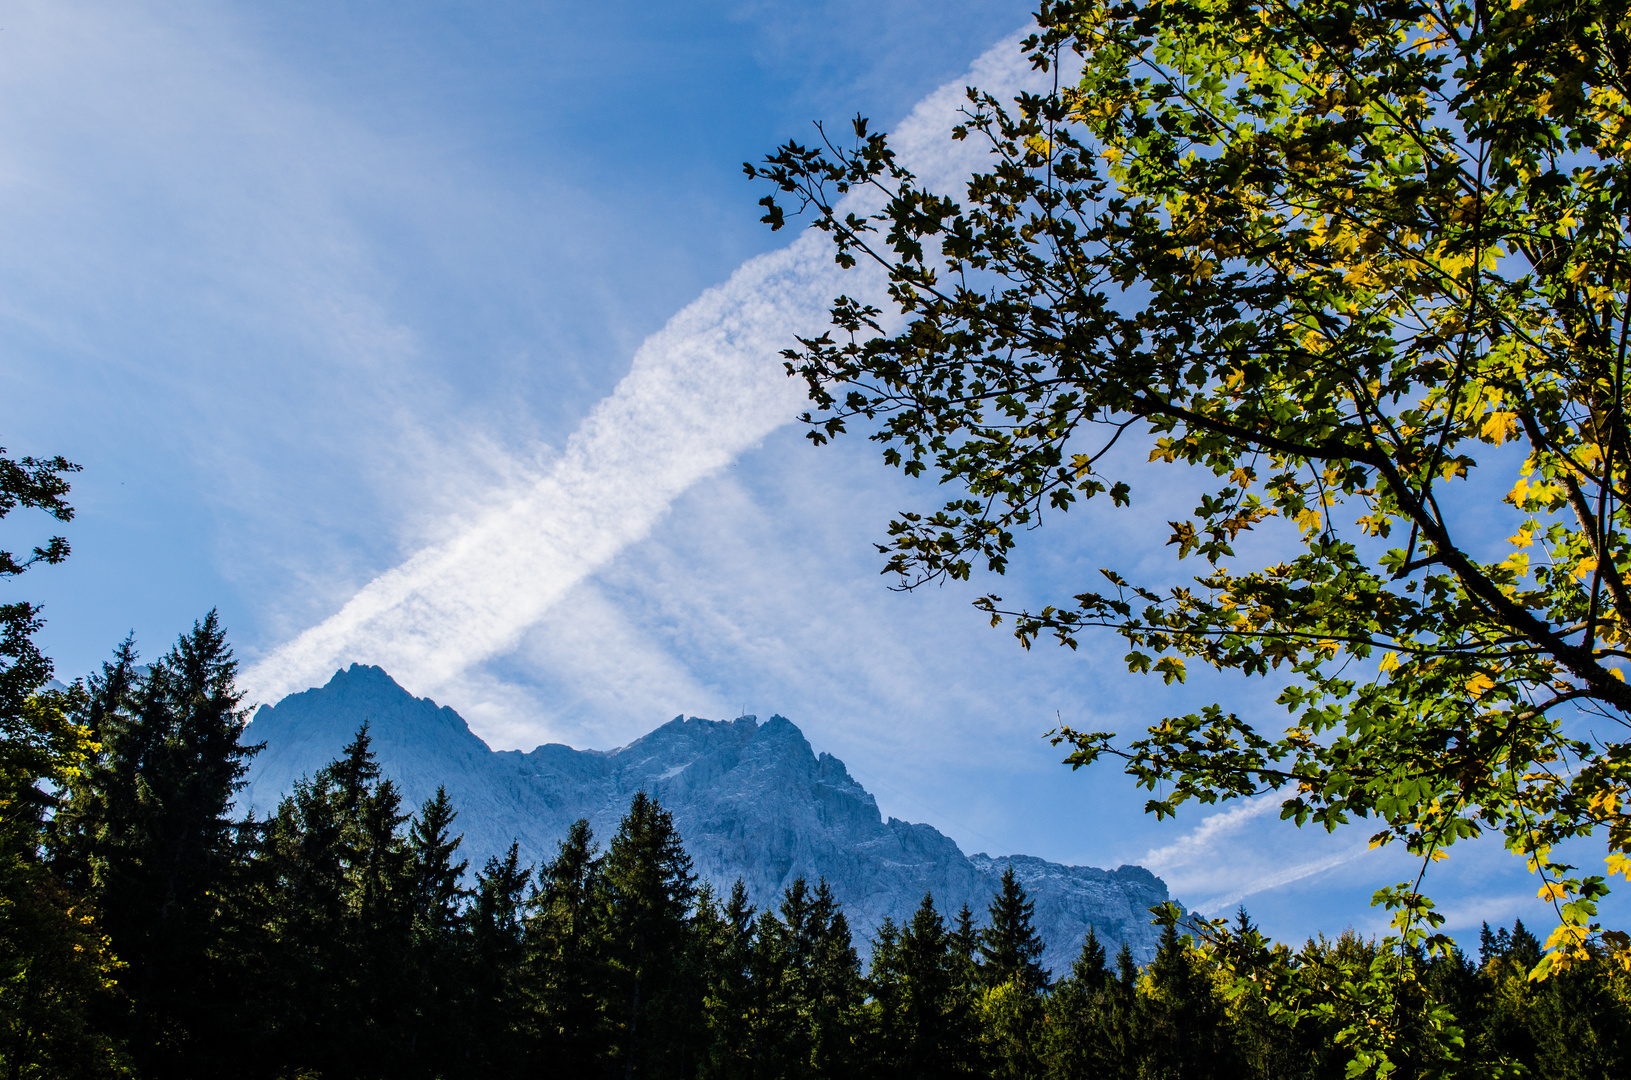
<point x="751" y="800"/>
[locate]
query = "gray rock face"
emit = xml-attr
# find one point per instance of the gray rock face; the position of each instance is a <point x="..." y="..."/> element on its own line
<point x="751" y="800"/>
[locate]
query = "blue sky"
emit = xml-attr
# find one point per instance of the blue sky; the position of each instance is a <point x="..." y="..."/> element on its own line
<point x="442" y="336"/>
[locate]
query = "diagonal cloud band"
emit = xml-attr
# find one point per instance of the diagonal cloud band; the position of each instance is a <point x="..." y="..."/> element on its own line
<point x="699" y="392"/>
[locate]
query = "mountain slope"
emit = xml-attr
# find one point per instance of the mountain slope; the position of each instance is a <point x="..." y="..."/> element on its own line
<point x="751" y="800"/>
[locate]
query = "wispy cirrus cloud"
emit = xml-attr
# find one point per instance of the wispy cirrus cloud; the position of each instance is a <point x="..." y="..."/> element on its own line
<point x="702" y="390"/>
<point x="1239" y="852"/>
<point x="1274" y="879"/>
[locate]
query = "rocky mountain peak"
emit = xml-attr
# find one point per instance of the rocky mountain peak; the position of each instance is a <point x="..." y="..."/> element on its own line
<point x="752" y="801"/>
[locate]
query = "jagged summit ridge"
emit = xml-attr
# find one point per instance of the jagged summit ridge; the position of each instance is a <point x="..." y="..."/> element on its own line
<point x="752" y="800"/>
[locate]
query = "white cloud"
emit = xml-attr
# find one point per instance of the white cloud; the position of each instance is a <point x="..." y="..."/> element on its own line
<point x="701" y="391"/>
<point x="1215" y="905"/>
<point x="1243" y="851"/>
<point x="1200" y="843"/>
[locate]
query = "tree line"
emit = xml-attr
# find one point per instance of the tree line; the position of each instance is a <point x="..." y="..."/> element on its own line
<point x="148" y="931"/>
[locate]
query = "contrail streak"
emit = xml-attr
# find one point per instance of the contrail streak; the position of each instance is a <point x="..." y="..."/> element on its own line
<point x="702" y="390"/>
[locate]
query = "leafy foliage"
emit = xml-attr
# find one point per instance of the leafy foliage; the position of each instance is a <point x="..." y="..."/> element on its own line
<point x="1334" y="257"/>
<point x="56" y="970"/>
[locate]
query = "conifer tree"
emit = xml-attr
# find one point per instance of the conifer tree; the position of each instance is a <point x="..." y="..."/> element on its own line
<point x="1086" y="1019"/>
<point x="1010" y="949"/>
<point x="1579" y="1020"/>
<point x="432" y="844"/>
<point x="1011" y="982"/>
<point x="806" y="988"/>
<point x="1270" y="1042"/>
<point x="965" y="942"/>
<point x="154" y="833"/>
<point x="832" y="988"/>
<point x="775" y="1030"/>
<point x="925" y="1023"/>
<point x="726" y="939"/>
<point x="1126" y="968"/>
<point x="304" y="856"/>
<point x="381" y="876"/>
<point x="438" y="934"/>
<point x="566" y="966"/>
<point x="1523" y="952"/>
<point x="650" y="890"/>
<point x="497" y="1030"/>
<point x="344" y="884"/>
<point x="1182" y="1021"/>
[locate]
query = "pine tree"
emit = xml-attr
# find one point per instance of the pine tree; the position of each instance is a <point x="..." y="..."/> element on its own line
<point x="806" y="987"/>
<point x="1488" y="948"/>
<point x="1126" y="969"/>
<point x="1182" y="1021"/>
<point x="566" y="972"/>
<point x="725" y="939"/>
<point x="925" y="1022"/>
<point x="439" y="939"/>
<point x="381" y="877"/>
<point x="1010" y="949"/>
<point x="150" y="825"/>
<point x="1269" y="1042"/>
<point x="649" y="893"/>
<point x="1076" y="1040"/>
<point x="496" y="1033"/>
<point x="305" y="873"/>
<point x="1579" y="1021"/>
<point x="1524" y="950"/>
<point x="832" y="988"/>
<point x="776" y="1032"/>
<point x="344" y="883"/>
<point x="1574" y="1023"/>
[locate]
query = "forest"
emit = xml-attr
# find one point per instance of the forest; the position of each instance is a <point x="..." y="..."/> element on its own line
<point x="149" y="932"/>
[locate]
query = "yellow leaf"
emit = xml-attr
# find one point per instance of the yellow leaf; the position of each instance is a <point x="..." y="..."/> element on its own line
<point x="1390" y="662"/>
<point x="1567" y="936"/>
<point x="1553" y="891"/>
<point x="1499" y="427"/>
